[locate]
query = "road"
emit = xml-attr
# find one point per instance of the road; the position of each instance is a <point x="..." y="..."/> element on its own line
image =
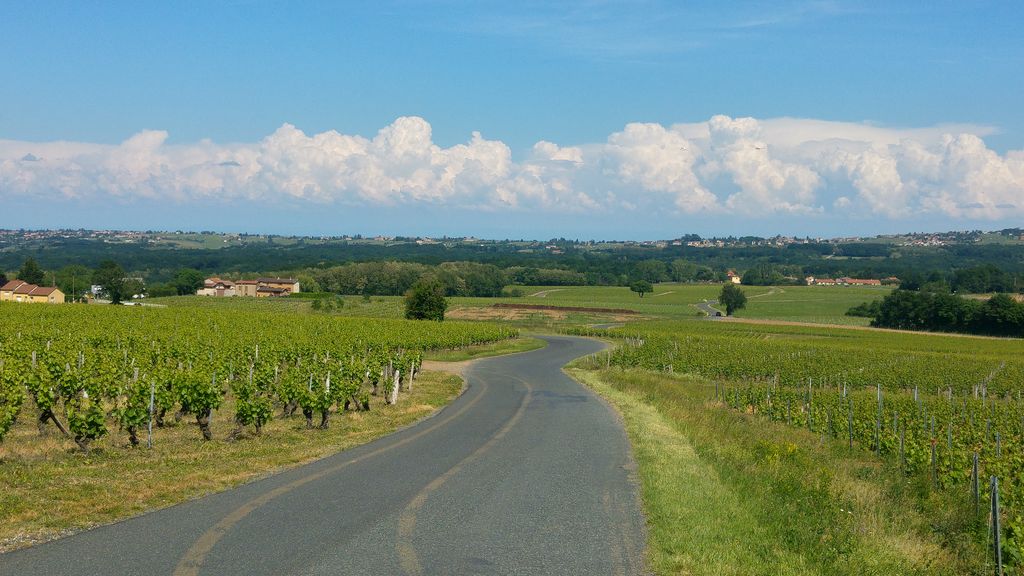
<point x="706" y="307"/>
<point x="526" y="473"/>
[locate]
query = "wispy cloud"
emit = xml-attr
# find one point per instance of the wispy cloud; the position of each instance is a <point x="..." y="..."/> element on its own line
<point x="621" y="29"/>
<point x="760" y="15"/>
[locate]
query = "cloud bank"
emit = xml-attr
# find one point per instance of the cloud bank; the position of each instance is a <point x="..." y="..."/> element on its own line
<point x="753" y="169"/>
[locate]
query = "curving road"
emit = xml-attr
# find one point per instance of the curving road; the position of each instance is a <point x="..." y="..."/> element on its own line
<point x="526" y="473"/>
<point x="707" y="307"/>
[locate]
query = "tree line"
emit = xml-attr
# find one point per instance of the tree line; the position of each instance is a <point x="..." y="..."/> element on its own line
<point x="572" y="263"/>
<point x="1000" y="315"/>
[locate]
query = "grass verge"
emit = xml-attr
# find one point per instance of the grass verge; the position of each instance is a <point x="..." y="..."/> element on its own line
<point x="49" y="489"/>
<point x="727" y="493"/>
<point x="512" y="346"/>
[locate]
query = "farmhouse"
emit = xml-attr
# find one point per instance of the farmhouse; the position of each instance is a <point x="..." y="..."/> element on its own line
<point x="247" y="288"/>
<point x="217" y="287"/>
<point x="286" y="285"/>
<point x="734" y="277"/>
<point x="859" y="282"/>
<point x="844" y="281"/>
<point x="18" y="291"/>
<point x="259" y="288"/>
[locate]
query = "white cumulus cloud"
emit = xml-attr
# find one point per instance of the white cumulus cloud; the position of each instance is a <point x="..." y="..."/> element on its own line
<point x="743" y="166"/>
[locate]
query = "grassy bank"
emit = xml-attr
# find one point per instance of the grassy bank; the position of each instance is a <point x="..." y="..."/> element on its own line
<point x="727" y="493"/>
<point x="48" y="488"/>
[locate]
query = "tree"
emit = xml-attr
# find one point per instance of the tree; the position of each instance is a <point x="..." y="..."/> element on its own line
<point x="110" y="277"/>
<point x="733" y="298"/>
<point x="683" y="271"/>
<point x="31" y="272"/>
<point x="641" y="286"/>
<point x="650" y="270"/>
<point x="73" y="280"/>
<point x="425" y="300"/>
<point x="187" y="281"/>
<point x="133" y="287"/>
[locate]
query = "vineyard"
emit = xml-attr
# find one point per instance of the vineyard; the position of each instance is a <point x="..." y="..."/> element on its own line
<point x="829" y="357"/>
<point x="84" y="372"/>
<point x="946" y="409"/>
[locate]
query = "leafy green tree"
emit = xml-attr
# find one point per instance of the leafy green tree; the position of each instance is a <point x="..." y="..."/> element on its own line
<point x="133" y="286"/>
<point x="187" y="281"/>
<point x="110" y="276"/>
<point x="641" y="286"/>
<point x="683" y="271"/>
<point x="981" y="279"/>
<point x="763" y="275"/>
<point x="73" y="280"/>
<point x="160" y="290"/>
<point x="706" y="274"/>
<point x="1003" y="315"/>
<point x="911" y="281"/>
<point x="651" y="270"/>
<point x="426" y="301"/>
<point x="31" y="272"/>
<point x="866" y="309"/>
<point x="733" y="298"/>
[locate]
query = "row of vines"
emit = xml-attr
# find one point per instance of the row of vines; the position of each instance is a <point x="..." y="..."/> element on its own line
<point x="951" y="412"/>
<point x="83" y="371"/>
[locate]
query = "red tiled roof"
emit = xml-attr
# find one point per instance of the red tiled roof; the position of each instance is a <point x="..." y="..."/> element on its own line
<point x="19" y="287"/>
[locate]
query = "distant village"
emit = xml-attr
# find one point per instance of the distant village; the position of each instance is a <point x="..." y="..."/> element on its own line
<point x="812" y="281"/>
<point x="917" y="239"/>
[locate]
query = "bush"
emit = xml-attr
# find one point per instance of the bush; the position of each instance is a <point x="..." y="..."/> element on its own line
<point x="426" y="301"/>
<point x="866" y="309"/>
<point x="512" y="292"/>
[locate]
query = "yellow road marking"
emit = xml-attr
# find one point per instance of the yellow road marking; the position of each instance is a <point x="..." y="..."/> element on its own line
<point x="407" y="557"/>
<point x="196" y="554"/>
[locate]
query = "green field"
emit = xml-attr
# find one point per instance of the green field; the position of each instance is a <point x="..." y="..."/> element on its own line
<point x="373" y="307"/>
<point x="814" y="304"/>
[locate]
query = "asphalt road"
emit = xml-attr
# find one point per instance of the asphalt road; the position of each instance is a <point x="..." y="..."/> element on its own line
<point x="526" y="473"/>
<point x="707" y="307"/>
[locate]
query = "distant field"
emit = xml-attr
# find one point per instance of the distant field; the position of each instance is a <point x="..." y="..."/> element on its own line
<point x="667" y="300"/>
<point x="375" y="307"/>
<point x="815" y="304"/>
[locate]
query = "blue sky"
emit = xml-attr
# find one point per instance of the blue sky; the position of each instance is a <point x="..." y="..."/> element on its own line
<point x="530" y="119"/>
